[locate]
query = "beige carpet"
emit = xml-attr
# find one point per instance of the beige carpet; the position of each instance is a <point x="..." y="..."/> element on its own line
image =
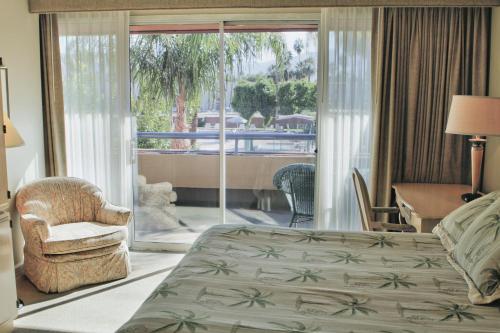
<point x="100" y="308"/>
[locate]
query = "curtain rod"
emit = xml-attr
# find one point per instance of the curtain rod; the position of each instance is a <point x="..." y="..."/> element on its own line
<point x="52" y="6"/>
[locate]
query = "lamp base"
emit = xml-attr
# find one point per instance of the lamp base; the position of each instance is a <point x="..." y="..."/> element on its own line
<point x="468" y="197"/>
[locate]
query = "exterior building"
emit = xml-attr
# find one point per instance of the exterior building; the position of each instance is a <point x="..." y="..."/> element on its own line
<point x="294" y="121"/>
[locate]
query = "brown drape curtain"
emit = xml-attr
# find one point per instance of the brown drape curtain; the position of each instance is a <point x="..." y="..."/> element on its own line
<point x="421" y="58"/>
<point x="52" y="95"/>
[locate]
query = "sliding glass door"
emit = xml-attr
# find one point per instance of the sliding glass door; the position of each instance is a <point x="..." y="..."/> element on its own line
<point x="266" y="114"/>
<point x="271" y="123"/>
<point x="174" y="78"/>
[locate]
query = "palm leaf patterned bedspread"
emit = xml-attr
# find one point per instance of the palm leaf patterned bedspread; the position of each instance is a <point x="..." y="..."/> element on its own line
<point x="247" y="279"/>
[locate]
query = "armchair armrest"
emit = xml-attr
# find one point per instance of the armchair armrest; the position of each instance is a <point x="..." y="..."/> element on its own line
<point x="111" y="214"/>
<point x="389" y="210"/>
<point x="35" y="231"/>
<point x="394" y="227"/>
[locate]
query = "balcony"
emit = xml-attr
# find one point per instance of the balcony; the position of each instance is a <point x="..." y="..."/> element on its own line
<point x="252" y="159"/>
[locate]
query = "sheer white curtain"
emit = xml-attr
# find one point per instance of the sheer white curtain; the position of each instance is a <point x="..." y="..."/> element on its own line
<point x="95" y="71"/>
<point x="344" y="133"/>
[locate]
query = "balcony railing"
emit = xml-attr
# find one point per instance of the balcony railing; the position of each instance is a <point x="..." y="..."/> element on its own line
<point x="249" y="136"/>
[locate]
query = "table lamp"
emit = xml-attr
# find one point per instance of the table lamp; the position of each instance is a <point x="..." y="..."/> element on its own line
<point x="12" y="137"/>
<point x="477" y="116"/>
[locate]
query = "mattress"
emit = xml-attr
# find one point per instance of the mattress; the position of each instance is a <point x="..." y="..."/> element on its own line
<point x="246" y="279"/>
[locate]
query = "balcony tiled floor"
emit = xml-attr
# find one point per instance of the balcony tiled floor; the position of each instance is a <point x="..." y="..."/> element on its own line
<point x="194" y="220"/>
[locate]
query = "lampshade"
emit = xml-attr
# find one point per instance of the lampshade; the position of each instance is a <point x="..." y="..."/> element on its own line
<point x="474" y="115"/>
<point x="12" y="137"/>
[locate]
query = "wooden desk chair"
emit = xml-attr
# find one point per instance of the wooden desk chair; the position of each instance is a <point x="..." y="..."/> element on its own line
<point x="368" y="212"/>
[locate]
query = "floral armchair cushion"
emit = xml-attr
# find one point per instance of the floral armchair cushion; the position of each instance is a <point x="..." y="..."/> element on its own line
<point x="453" y="226"/>
<point x="477" y="256"/>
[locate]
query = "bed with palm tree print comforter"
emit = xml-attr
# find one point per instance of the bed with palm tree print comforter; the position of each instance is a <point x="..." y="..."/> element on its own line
<point x="247" y="279"/>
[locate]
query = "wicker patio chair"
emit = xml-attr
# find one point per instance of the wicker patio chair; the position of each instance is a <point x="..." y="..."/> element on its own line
<point x="296" y="182"/>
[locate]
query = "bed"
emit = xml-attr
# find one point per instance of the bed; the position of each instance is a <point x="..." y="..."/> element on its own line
<point x="245" y="279"/>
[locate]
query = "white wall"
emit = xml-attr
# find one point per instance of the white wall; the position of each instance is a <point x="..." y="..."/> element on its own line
<point x="19" y="48"/>
<point x="492" y="162"/>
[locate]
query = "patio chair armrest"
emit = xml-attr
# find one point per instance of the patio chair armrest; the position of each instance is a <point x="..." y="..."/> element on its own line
<point x="111" y="214"/>
<point x="394" y="227"/>
<point x="389" y="210"/>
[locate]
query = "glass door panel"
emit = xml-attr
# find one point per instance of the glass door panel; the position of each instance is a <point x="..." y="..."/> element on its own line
<point x="174" y="80"/>
<point x="270" y="124"/>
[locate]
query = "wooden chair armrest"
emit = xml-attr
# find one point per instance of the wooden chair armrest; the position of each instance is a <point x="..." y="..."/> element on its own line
<point x="390" y="210"/>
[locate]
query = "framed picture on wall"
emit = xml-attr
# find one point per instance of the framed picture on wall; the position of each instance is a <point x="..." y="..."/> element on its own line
<point x="4" y="88"/>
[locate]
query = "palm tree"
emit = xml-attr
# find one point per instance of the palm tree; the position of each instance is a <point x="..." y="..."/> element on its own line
<point x="164" y="290"/>
<point x="297" y="327"/>
<point x="305" y="274"/>
<point x="493" y="223"/>
<point x="298" y="46"/>
<point x="395" y="280"/>
<point x="343" y="239"/>
<point x="426" y="262"/>
<point x="382" y="241"/>
<point x="197" y="247"/>
<point x="354" y="306"/>
<point x="176" y="67"/>
<point x="231" y="248"/>
<point x="417" y="243"/>
<point x="453" y="310"/>
<point x="215" y="267"/>
<point x="179" y="67"/>
<point x="259" y="272"/>
<point x="267" y="252"/>
<point x="346" y="257"/>
<point x="464" y="221"/>
<point x="283" y="58"/>
<point x="310" y="236"/>
<point x="190" y="321"/>
<point x="252" y="297"/>
<point x="492" y="281"/>
<point x="385" y="260"/>
<point x="239" y="230"/>
<point x="300" y="301"/>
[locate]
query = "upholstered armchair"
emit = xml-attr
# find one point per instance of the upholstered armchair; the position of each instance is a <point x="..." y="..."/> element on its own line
<point x="73" y="237"/>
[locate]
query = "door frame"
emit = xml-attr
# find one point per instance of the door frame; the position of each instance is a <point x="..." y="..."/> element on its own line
<point x="221" y="18"/>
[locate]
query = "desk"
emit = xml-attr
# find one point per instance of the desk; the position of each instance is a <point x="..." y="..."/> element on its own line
<point x="425" y="205"/>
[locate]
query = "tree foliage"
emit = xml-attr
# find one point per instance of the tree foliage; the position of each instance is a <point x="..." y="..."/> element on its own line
<point x="256" y="95"/>
<point x="304" y="69"/>
<point x="181" y="67"/>
<point x="261" y="94"/>
<point x="305" y="96"/>
<point x="153" y="115"/>
<point x="296" y="96"/>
